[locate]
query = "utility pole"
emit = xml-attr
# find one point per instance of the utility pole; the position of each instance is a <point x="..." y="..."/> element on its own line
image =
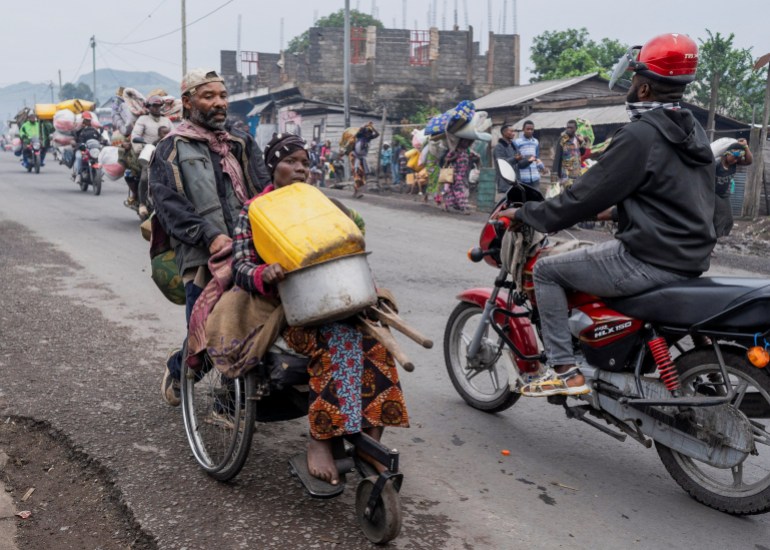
<point x="755" y="180"/>
<point x="59" y="82"/>
<point x="184" y="39"/>
<point x="50" y="85"/>
<point x="93" y="59"/>
<point x="346" y="65"/>
<point x="238" y="48"/>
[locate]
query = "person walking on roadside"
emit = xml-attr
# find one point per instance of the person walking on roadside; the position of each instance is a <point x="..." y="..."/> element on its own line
<point x="530" y="166"/>
<point x="461" y="159"/>
<point x="200" y="177"/>
<point x="737" y="154"/>
<point x="358" y="161"/>
<point x="569" y="149"/>
<point x="505" y="150"/>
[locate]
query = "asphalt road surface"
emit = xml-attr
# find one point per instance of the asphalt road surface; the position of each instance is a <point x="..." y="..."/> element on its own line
<point x="83" y="345"/>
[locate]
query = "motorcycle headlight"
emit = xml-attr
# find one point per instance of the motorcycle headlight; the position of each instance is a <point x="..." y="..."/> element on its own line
<point x="94" y="153"/>
<point x="36" y="146"/>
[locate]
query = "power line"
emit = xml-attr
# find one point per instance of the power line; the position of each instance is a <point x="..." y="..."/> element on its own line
<point x="149" y="15"/>
<point x="170" y="32"/>
<point x="85" y="53"/>
<point x="174" y="63"/>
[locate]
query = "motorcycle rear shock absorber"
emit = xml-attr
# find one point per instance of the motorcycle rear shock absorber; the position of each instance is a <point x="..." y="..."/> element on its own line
<point x="666" y="367"/>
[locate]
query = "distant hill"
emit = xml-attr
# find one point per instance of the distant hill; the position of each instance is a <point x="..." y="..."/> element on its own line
<point x="14" y="96"/>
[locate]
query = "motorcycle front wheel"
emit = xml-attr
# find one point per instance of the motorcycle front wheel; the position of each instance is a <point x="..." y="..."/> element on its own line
<point x="37" y="164"/>
<point x="745" y="488"/>
<point x="484" y="386"/>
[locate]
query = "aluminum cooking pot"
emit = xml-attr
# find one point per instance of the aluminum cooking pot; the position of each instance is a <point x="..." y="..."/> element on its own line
<point x="328" y="291"/>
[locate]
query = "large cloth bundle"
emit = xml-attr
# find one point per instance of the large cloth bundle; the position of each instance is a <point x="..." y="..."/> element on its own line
<point x="172" y="108"/>
<point x="108" y="159"/>
<point x="62" y="139"/>
<point x="451" y="120"/>
<point x="135" y="101"/>
<point x="64" y="121"/>
<point x="348" y="139"/>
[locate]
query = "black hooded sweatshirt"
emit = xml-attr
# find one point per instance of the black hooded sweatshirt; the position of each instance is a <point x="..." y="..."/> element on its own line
<point x="659" y="171"/>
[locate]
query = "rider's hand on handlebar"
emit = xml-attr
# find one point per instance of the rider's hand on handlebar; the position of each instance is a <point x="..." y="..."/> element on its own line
<point x="273" y="273"/>
<point x="510" y="215"/>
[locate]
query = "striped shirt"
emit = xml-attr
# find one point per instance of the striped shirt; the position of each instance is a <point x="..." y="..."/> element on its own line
<point x="528" y="147"/>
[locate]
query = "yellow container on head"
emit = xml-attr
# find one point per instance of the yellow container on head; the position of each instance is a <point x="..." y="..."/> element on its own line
<point x="298" y="226"/>
<point x="45" y="111"/>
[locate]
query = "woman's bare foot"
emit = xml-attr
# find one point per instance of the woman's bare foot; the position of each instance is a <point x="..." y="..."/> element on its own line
<point x="320" y="462"/>
<point x="375" y="433"/>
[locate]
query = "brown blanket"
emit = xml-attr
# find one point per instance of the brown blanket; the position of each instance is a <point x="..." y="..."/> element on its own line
<point x="240" y="329"/>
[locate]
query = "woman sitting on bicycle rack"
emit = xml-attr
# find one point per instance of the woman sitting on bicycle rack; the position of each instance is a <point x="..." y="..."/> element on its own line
<point x="353" y="384"/>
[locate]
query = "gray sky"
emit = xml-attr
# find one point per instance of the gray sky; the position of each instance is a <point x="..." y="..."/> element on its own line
<point x="42" y="36"/>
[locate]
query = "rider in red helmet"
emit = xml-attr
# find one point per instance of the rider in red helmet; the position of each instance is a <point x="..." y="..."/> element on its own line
<point x="658" y="173"/>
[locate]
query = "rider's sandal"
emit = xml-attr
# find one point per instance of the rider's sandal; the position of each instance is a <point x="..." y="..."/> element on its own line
<point x="552" y="383"/>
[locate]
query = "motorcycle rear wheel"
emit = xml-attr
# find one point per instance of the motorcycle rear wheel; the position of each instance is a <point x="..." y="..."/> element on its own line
<point x="219" y="415"/>
<point x="486" y="387"/>
<point x="743" y="489"/>
<point x="96" y="180"/>
<point x="83" y="181"/>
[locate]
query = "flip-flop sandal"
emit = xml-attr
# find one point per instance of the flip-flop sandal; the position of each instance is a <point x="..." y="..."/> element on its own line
<point x="552" y="383"/>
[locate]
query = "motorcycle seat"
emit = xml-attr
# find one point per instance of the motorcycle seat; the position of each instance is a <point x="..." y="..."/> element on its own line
<point x="712" y="302"/>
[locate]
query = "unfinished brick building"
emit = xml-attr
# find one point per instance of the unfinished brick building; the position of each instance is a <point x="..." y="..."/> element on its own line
<point x="394" y="68"/>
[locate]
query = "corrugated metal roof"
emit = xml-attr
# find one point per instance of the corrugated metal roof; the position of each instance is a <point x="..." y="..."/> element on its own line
<point x="611" y="114"/>
<point x="257" y="110"/>
<point x="514" y="95"/>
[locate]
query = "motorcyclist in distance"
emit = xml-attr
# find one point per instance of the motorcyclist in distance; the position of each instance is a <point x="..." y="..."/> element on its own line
<point x="146" y="132"/>
<point x="81" y="137"/>
<point x="659" y="171"/>
<point x="34" y="128"/>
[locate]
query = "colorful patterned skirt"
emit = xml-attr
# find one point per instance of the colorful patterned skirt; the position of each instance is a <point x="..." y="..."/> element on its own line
<point x="353" y="380"/>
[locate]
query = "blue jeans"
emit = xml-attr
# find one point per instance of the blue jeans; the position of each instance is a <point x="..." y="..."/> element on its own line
<point x="394" y="170"/>
<point x="192" y="292"/>
<point x="606" y="269"/>
<point x="78" y="162"/>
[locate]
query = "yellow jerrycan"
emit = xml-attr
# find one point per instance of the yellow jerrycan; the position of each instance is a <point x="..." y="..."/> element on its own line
<point x="298" y="226"/>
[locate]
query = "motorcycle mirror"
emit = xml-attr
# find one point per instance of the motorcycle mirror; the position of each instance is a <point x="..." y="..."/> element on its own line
<point x="506" y="170"/>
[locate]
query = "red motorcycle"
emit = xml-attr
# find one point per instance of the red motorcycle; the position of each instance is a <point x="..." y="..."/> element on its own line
<point x="90" y="169"/>
<point x="705" y="407"/>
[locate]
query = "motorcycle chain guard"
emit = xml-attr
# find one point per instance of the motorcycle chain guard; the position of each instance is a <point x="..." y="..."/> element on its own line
<point x="720" y="436"/>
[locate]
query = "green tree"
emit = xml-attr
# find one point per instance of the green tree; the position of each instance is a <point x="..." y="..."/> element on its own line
<point x="76" y="91"/>
<point x="561" y="54"/>
<point x="300" y="44"/>
<point x="738" y="87"/>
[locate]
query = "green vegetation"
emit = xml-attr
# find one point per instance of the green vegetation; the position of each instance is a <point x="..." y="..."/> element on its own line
<point x="562" y="54"/>
<point x="739" y="88"/>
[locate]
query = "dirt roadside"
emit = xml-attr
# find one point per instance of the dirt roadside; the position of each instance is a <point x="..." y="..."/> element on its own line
<point x="74" y="502"/>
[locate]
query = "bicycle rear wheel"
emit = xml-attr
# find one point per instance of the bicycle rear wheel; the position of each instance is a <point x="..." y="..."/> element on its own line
<point x="219" y="415"/>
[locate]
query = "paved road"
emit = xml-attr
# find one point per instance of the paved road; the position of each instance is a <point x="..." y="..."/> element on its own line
<point x="84" y="333"/>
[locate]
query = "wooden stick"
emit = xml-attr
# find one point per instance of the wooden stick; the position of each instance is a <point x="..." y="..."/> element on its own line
<point x="384" y="337"/>
<point x="387" y="316"/>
